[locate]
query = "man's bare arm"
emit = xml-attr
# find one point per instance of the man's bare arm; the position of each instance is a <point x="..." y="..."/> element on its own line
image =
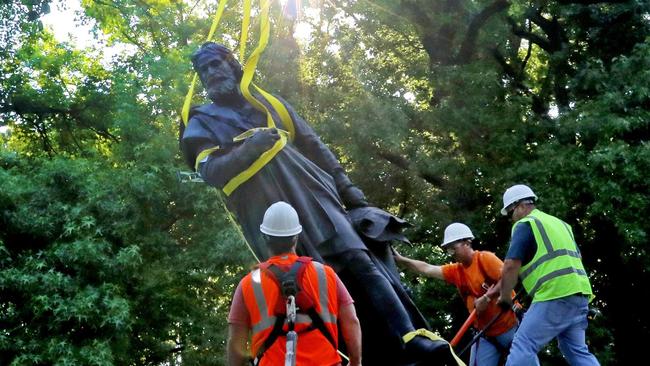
<point x="509" y="276"/>
<point x="423" y="268"/>
<point x="236" y="348"/>
<point x="351" y="331"/>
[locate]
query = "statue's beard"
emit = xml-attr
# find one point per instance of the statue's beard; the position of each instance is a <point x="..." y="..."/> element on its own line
<point x="224" y="90"/>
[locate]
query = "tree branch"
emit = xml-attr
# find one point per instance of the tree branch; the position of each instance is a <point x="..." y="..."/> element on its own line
<point x="510" y="71"/>
<point x="551" y="28"/>
<point x="530" y="36"/>
<point x="468" y="46"/>
<point x="437" y="45"/>
<point x="529" y="51"/>
<point x="404" y="164"/>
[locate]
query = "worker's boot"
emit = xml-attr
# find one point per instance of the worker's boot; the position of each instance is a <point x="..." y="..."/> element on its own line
<point x="425" y="352"/>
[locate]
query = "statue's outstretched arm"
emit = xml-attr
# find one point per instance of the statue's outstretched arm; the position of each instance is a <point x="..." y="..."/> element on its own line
<point x="310" y="145"/>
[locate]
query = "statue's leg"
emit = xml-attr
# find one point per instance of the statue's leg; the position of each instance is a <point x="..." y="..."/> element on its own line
<point x="382" y="256"/>
<point x="363" y="278"/>
<point x="357" y="264"/>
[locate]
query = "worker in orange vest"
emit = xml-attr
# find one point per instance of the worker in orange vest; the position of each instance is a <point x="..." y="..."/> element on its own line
<point x="260" y="307"/>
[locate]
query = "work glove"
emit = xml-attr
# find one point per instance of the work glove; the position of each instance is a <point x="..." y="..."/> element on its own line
<point x="261" y="141"/>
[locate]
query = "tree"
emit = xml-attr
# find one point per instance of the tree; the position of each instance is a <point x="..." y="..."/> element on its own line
<point x="433" y="107"/>
<point x="106" y="257"/>
<point x="486" y="94"/>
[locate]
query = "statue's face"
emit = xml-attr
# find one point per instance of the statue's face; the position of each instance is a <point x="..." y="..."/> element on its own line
<point x="218" y="78"/>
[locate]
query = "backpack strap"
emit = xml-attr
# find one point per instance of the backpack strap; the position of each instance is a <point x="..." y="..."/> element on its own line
<point x="319" y="324"/>
<point x="288" y="281"/>
<point x="488" y="279"/>
<point x="273" y="336"/>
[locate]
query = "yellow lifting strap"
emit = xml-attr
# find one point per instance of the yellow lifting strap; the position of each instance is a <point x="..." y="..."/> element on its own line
<point x="432" y="336"/>
<point x="249" y="68"/>
<point x="202" y="155"/>
<point x="251" y="65"/>
<point x="257" y="164"/>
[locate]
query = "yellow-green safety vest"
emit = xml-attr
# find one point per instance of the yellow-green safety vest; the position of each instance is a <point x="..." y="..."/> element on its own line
<point x="556" y="270"/>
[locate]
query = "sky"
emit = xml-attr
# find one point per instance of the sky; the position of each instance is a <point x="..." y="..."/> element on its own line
<point x="61" y="21"/>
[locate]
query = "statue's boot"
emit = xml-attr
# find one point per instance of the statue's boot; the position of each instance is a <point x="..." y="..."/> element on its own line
<point x="423" y="351"/>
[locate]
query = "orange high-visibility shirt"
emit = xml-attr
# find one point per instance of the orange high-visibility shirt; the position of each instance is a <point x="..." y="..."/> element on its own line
<point x="471" y="283"/>
<point x="261" y="294"/>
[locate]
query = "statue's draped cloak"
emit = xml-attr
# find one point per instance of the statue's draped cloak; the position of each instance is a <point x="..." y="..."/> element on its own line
<point x="300" y="174"/>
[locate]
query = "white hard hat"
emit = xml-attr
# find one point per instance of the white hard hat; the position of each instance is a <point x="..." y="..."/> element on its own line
<point x="455" y="232"/>
<point x="280" y="219"/>
<point x="514" y="194"/>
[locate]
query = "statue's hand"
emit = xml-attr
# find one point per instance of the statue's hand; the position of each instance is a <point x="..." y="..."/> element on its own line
<point x="353" y="197"/>
<point x="262" y="140"/>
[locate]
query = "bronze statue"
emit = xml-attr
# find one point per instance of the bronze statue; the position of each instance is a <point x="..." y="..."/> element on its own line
<point x="307" y="175"/>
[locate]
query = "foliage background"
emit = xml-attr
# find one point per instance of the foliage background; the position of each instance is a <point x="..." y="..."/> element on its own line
<point x="434" y="108"/>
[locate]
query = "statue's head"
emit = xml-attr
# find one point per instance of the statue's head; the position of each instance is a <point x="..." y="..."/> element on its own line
<point x="218" y="70"/>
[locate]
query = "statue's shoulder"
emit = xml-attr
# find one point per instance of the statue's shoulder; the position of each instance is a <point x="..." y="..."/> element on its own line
<point x="204" y="110"/>
<point x="211" y="111"/>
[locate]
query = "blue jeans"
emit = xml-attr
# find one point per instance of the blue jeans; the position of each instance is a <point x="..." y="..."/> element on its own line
<point x="485" y="353"/>
<point x="564" y="319"/>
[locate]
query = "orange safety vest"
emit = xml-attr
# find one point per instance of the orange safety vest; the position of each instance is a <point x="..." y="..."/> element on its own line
<point x="263" y="299"/>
